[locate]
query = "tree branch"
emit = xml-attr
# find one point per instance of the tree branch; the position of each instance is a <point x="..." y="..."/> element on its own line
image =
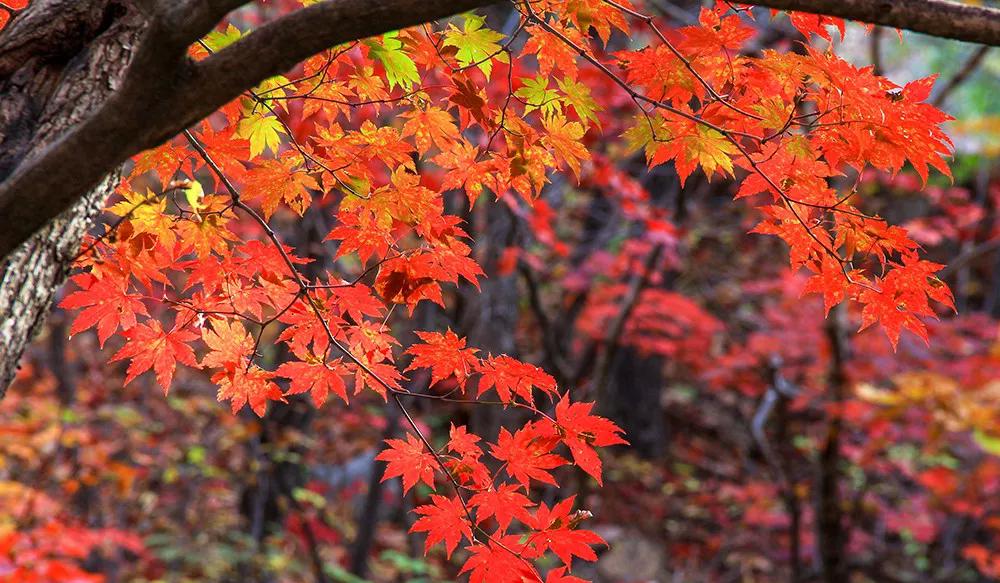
<point x="606" y="359"/>
<point x="49" y="28"/>
<point x="189" y="20"/>
<point x="163" y="94"/>
<point x="943" y="18"/>
<point x="553" y="352"/>
<point x="963" y="74"/>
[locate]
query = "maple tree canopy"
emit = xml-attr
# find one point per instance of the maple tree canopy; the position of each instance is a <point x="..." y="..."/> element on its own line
<point x="163" y="93"/>
<point x="393" y="124"/>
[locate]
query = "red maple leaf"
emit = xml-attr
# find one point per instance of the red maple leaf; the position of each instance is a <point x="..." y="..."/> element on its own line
<point x="251" y="386"/>
<point x="408" y="459"/>
<point x="716" y="33"/>
<point x="462" y="442"/>
<point x="581" y="431"/>
<point x="505" y="503"/>
<point x="107" y="304"/>
<point x="511" y="377"/>
<point x="240" y="381"/>
<point x="319" y="378"/>
<point x="445" y="354"/>
<point x="361" y="230"/>
<point x="556" y="531"/>
<point x="499" y="561"/>
<point x="229" y="345"/>
<point x="443" y="520"/>
<point x="807" y="24"/>
<point x="465" y="465"/>
<point x="831" y="281"/>
<point x="528" y="454"/>
<point x="276" y="181"/>
<point x="430" y="125"/>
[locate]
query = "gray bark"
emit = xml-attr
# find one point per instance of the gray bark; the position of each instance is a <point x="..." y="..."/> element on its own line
<point x="57" y="63"/>
<point x="31" y="276"/>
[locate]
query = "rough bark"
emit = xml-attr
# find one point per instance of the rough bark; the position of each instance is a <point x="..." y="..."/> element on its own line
<point x="31" y="276"/>
<point x="943" y="18"/>
<point x="59" y="61"/>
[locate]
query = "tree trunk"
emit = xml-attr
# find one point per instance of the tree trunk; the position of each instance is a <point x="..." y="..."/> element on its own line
<point x="632" y="400"/>
<point x="59" y="60"/>
<point x="832" y="537"/>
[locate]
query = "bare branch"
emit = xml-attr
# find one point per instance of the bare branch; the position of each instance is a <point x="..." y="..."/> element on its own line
<point x="961" y="76"/>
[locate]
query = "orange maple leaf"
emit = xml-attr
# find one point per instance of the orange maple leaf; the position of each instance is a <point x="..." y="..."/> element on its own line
<point x="149" y="346"/>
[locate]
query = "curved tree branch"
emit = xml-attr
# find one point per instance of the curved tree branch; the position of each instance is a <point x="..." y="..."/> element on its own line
<point x="163" y="92"/>
<point x="944" y="18"/>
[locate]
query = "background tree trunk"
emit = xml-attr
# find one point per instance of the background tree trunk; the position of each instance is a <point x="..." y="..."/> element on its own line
<point x="58" y="61"/>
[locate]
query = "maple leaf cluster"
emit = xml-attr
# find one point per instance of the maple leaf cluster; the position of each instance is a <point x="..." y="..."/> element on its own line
<point x="376" y="136"/>
<point x="799" y="124"/>
<point x="527" y="456"/>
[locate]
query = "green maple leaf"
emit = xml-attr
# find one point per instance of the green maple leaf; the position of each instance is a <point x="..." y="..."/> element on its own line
<point x="220" y="39"/>
<point x="194" y="193"/>
<point x="399" y="67"/>
<point x="579" y="98"/>
<point x="271" y="88"/>
<point x="989" y="443"/>
<point x="646" y="133"/>
<point x="536" y="95"/>
<point x="476" y="44"/>
<point x="263" y="131"/>
<point x="711" y="150"/>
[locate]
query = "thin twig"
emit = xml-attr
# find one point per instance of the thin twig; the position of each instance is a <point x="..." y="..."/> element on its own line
<point x="612" y="340"/>
<point x="961" y="76"/>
